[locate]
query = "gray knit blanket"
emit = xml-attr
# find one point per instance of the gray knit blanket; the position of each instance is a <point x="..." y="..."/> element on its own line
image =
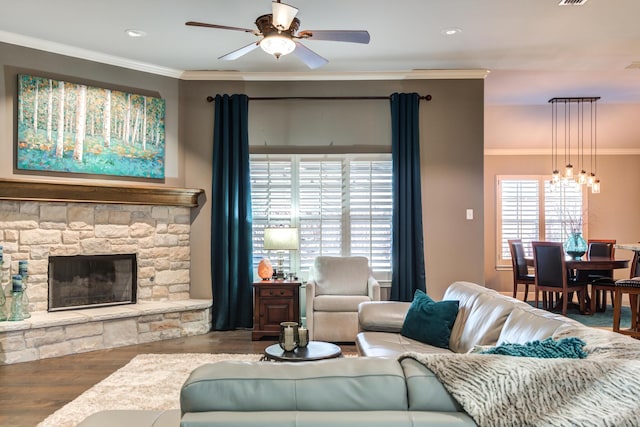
<point x="496" y="390"/>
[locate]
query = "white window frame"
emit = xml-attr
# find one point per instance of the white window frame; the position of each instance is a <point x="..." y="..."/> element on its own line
<point x="503" y="258"/>
<point x="292" y="260"/>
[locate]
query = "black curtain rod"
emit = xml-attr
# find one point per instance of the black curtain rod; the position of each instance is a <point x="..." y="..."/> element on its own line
<point x="278" y="98"/>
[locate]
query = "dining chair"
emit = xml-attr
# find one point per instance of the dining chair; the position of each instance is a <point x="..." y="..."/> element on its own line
<point x="552" y="277"/>
<point x="601" y="280"/>
<point x="520" y="270"/>
<point x="630" y="286"/>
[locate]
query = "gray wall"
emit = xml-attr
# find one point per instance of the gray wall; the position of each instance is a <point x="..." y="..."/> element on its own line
<point x="15" y="60"/>
<point x="451" y="145"/>
<point x="451" y="157"/>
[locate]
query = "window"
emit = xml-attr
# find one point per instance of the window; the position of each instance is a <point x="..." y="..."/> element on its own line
<point x="341" y="204"/>
<point x="531" y="208"/>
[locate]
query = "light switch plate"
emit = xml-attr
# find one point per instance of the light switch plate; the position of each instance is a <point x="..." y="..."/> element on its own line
<point x="469" y="213"/>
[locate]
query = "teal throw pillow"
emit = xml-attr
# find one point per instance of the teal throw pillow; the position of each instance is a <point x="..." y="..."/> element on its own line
<point x="569" y="348"/>
<point x="429" y="321"/>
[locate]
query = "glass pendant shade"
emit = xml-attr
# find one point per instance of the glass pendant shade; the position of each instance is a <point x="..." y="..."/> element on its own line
<point x="568" y="171"/>
<point x="582" y="177"/>
<point x="277" y="45"/>
<point x="595" y="188"/>
<point x="555" y="178"/>
<point x="591" y="179"/>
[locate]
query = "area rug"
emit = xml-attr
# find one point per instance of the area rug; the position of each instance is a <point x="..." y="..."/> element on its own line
<point x="599" y="319"/>
<point x="148" y="381"/>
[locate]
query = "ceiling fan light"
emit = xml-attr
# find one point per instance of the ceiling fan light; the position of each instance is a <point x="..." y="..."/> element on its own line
<point x="277" y="45"/>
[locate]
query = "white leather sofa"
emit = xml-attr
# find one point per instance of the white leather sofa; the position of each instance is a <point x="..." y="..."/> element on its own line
<point x="335" y="288"/>
<point x="378" y="390"/>
<point x="485" y="317"/>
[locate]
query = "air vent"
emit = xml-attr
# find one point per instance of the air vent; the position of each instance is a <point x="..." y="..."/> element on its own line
<point x="572" y="2"/>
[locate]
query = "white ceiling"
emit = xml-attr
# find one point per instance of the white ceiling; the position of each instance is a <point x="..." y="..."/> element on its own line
<point x="534" y="49"/>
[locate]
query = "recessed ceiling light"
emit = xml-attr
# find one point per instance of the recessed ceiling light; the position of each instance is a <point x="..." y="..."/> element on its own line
<point x="135" y="33"/>
<point x="450" y="31"/>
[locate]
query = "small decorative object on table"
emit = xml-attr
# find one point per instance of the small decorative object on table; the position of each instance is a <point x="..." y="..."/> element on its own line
<point x="3" y="298"/>
<point x="303" y="337"/>
<point x="288" y="336"/>
<point x="16" y="303"/>
<point x="22" y="271"/>
<point x="575" y="246"/>
<point x="265" y="269"/>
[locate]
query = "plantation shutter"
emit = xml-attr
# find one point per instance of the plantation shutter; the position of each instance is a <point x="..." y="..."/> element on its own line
<point x="320" y="210"/>
<point x="563" y="210"/>
<point x="370" y="209"/>
<point x="520" y="215"/>
<point x="271" y="201"/>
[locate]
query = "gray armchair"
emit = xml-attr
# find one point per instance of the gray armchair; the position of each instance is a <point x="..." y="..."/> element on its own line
<point x="336" y="286"/>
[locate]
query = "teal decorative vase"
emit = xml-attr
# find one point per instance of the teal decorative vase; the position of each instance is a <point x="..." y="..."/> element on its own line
<point x="575" y="246"/>
<point x="17" y="313"/>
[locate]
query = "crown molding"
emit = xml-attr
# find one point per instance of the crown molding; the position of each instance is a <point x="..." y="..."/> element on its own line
<point x="334" y="76"/>
<point x="547" y="152"/>
<point x="63" y="49"/>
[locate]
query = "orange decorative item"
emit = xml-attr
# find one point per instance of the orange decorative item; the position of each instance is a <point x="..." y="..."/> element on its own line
<point x="265" y="270"/>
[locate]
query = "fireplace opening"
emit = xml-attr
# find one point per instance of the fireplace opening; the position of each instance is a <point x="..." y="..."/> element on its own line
<point x="83" y="281"/>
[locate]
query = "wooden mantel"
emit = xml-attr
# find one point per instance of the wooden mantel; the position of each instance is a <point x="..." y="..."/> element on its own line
<point x="11" y="189"/>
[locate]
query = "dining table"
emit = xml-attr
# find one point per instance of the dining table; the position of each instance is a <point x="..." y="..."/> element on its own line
<point x="586" y="262"/>
<point x="590" y="263"/>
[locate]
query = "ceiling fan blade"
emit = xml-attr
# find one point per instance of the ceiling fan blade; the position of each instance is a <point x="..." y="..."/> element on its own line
<point x="239" y="52"/>
<point x="283" y="14"/>
<point x="309" y="57"/>
<point x="221" y="27"/>
<point x="336" y="35"/>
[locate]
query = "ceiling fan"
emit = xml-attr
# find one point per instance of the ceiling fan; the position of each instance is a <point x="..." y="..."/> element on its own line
<point x="279" y="36"/>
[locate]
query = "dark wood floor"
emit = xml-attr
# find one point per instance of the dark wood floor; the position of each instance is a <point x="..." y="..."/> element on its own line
<point x="31" y="391"/>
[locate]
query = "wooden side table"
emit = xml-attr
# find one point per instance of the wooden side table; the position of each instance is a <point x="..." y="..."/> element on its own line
<point x="274" y="301"/>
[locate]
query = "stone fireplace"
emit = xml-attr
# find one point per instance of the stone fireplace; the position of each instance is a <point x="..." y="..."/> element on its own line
<point x="153" y="230"/>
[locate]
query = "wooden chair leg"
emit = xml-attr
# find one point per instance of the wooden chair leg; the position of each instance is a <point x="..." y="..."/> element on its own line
<point x="583" y="300"/>
<point x="594" y="304"/>
<point x="565" y="304"/>
<point x="617" y="305"/>
<point x="633" y="303"/>
<point x="526" y="292"/>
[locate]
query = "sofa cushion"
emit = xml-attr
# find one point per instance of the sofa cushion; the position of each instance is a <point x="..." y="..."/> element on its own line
<point x="425" y="391"/>
<point x="429" y="321"/>
<point x="391" y="344"/>
<point x="345" y="384"/>
<point x="527" y="324"/>
<point x="481" y="315"/>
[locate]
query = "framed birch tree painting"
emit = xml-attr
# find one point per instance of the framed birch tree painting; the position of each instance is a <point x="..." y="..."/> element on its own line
<point x="75" y="128"/>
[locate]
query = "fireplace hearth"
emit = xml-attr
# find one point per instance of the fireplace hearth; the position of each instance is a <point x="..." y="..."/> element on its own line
<point x="87" y="281"/>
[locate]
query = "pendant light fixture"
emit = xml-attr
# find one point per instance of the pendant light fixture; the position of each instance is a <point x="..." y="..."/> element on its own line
<point x="573" y="126"/>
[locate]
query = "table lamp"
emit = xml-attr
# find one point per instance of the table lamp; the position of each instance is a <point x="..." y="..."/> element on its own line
<point x="281" y="239"/>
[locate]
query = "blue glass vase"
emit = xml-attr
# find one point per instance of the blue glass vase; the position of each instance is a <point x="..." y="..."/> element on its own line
<point x="575" y="246"/>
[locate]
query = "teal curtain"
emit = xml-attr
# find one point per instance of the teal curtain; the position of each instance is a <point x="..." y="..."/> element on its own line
<point x="231" y="248"/>
<point x="407" y="250"/>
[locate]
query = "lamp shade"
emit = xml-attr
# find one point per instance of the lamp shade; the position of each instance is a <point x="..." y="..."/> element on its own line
<point x="281" y="239"/>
